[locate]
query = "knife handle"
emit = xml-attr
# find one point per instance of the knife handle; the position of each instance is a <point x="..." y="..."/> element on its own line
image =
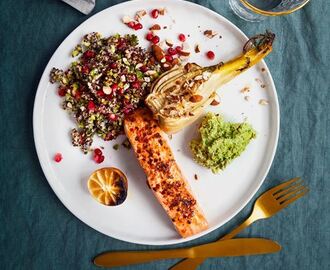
<point x="111" y="259"/>
<point x="193" y="263"/>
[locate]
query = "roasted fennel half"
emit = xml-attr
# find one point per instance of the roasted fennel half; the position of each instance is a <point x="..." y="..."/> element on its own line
<point x="179" y="96"/>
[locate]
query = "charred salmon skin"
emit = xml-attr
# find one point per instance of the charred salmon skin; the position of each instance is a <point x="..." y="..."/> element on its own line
<point x="164" y="176"/>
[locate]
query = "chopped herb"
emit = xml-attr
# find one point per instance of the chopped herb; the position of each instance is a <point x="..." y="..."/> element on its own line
<point x="116" y="146"/>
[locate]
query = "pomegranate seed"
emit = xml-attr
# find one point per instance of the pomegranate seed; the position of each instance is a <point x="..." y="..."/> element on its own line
<point x="61" y="91"/>
<point x="171" y="51"/>
<point x="138" y="26"/>
<point x="89" y="54"/>
<point x="168" y="58"/>
<point x="155" y="39"/>
<point x="131" y="24"/>
<point x="210" y="55"/>
<point x="85" y="69"/>
<point x="121" y="91"/>
<point x="113" y="65"/>
<point x="114" y="87"/>
<point x="178" y="49"/>
<point x="149" y="36"/>
<point x="98" y="158"/>
<point x="154" y="13"/>
<point x="77" y="94"/>
<point x="144" y="69"/>
<point x="121" y="45"/>
<point x="112" y="117"/>
<point x="136" y="85"/>
<point x="182" y="37"/>
<point x="91" y="106"/>
<point x="97" y="152"/>
<point x="100" y="93"/>
<point x="58" y="157"/>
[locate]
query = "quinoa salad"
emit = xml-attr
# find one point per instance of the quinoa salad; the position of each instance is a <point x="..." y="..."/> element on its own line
<point x="109" y="78"/>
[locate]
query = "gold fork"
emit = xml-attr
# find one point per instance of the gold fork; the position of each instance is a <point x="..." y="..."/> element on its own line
<point x="267" y="205"/>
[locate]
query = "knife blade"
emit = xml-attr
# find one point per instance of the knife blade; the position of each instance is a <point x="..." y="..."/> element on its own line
<point x="225" y="248"/>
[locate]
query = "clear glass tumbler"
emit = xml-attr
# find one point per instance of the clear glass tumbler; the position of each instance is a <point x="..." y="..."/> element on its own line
<point x="257" y="10"/>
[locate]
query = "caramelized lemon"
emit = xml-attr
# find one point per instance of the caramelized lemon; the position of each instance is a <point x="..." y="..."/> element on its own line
<point x="108" y="186"/>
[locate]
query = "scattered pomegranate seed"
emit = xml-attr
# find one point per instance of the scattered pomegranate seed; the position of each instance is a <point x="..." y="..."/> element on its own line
<point x="89" y="54"/>
<point x="98" y="152"/>
<point x="154" y="13"/>
<point x="58" y="157"/>
<point x="91" y="106"/>
<point x="138" y="26"/>
<point x="149" y="36"/>
<point x="178" y="49"/>
<point x="113" y="65"/>
<point x="131" y="24"/>
<point x="168" y="58"/>
<point x="85" y="69"/>
<point x="171" y="51"/>
<point x="182" y="37"/>
<point x="98" y="158"/>
<point x="210" y="55"/>
<point x="155" y="39"/>
<point x="101" y="159"/>
<point x="61" y="91"/>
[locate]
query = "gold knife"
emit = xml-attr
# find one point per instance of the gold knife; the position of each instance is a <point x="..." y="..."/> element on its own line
<point x="225" y="248"/>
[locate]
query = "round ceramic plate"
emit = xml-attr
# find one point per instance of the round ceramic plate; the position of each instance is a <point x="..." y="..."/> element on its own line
<point x="140" y="219"/>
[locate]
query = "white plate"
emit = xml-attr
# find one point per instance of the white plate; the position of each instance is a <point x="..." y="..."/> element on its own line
<point x="141" y="219"/>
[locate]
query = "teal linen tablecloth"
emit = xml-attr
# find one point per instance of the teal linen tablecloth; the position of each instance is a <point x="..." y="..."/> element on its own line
<point x="37" y="232"/>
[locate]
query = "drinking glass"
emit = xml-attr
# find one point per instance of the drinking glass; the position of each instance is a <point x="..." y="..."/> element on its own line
<point x="257" y="10"/>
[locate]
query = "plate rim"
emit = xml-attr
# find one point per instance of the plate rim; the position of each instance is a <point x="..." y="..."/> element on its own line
<point x="48" y="173"/>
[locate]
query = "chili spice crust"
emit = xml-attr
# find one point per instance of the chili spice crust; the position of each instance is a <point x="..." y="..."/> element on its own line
<point x="163" y="174"/>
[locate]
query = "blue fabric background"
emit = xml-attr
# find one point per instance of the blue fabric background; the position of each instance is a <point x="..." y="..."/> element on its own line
<point x="38" y="232"/>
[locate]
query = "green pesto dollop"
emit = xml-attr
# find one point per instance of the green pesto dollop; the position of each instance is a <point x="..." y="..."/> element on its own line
<point x="220" y="142"/>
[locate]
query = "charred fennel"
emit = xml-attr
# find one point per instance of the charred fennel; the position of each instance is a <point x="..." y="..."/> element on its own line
<point x="179" y="96"/>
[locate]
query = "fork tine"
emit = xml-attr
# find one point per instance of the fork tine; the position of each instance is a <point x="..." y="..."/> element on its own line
<point x="278" y="188"/>
<point x="288" y="190"/>
<point x="290" y="194"/>
<point x="291" y="200"/>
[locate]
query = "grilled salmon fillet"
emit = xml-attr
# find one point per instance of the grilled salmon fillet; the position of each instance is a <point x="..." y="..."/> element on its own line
<point x="163" y="174"/>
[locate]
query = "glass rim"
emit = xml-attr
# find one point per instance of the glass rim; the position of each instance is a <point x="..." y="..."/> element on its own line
<point x="272" y="13"/>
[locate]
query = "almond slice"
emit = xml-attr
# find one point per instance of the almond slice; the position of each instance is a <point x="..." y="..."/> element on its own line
<point x="162" y="11"/>
<point x="215" y="101"/>
<point x="126" y="19"/>
<point x="263" y="102"/>
<point x="185" y="50"/>
<point x="140" y="14"/>
<point x="155" y="27"/>
<point x="158" y="53"/>
<point x="210" y="33"/>
<point x="197" y="48"/>
<point x="169" y="42"/>
<point x="196" y="98"/>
